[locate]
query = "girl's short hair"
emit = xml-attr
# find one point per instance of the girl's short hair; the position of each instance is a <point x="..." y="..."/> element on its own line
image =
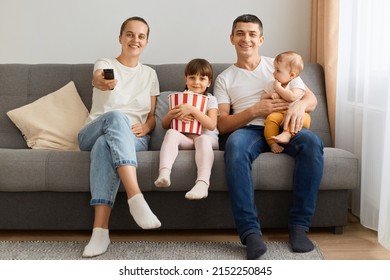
<point x="199" y="66"/>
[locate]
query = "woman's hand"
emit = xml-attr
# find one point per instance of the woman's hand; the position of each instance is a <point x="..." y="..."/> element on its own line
<point x="140" y="130"/>
<point x="99" y="82"/>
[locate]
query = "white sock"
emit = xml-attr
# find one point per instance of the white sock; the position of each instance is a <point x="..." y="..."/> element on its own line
<point x="164" y="178"/>
<point x="98" y="243"/>
<point x="141" y="212"/>
<point x="199" y="191"/>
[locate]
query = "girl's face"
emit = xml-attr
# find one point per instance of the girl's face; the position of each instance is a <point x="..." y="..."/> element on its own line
<point x="282" y="73"/>
<point x="134" y="38"/>
<point x="197" y="83"/>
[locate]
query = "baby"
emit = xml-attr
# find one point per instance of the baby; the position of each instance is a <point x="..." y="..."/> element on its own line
<point x="289" y="86"/>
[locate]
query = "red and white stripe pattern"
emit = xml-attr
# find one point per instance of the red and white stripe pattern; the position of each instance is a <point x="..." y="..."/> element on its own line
<point x="197" y="100"/>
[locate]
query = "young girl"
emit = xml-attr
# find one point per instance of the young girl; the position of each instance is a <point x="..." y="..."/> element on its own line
<point x="198" y="77"/>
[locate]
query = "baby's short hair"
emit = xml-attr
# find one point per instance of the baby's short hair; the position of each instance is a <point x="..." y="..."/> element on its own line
<point x="293" y="60"/>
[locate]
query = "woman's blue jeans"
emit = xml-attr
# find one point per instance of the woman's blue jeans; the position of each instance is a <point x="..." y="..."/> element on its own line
<point x="112" y="143"/>
<point x="242" y="147"/>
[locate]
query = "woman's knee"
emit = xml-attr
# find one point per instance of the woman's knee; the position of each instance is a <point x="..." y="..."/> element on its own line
<point x="118" y="118"/>
<point x="100" y="146"/>
<point x="114" y="115"/>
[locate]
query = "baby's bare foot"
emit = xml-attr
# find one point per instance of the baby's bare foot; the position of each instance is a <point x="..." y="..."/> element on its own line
<point x="276" y="148"/>
<point x="282" y="138"/>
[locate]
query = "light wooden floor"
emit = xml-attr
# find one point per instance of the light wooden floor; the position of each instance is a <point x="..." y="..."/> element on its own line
<point x="356" y="243"/>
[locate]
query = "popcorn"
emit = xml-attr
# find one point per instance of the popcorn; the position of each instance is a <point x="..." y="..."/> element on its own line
<point x="197" y="100"/>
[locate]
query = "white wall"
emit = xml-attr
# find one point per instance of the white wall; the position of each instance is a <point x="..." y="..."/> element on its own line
<point x="80" y="31"/>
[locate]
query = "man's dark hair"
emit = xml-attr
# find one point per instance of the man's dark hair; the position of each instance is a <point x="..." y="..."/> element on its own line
<point x="248" y="18"/>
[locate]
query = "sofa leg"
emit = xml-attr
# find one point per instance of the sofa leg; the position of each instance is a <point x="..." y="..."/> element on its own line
<point x="338" y="229"/>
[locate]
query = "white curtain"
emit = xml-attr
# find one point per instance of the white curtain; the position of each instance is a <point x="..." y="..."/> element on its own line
<point x="363" y="106"/>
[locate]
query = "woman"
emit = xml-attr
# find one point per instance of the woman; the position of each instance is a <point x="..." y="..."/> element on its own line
<point x="121" y="117"/>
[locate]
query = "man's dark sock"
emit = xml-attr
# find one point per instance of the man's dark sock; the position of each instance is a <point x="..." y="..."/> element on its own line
<point x="255" y="246"/>
<point x="299" y="241"/>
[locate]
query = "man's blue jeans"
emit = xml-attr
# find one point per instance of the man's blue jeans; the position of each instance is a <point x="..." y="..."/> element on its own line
<point x="242" y="147"/>
<point x="112" y="144"/>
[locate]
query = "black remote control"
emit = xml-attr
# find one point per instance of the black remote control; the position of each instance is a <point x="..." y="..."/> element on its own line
<point x="108" y="74"/>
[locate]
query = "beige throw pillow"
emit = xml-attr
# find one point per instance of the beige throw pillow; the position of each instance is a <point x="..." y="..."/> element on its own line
<point x="53" y="121"/>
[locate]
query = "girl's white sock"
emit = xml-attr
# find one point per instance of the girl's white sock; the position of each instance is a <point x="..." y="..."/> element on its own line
<point x="164" y="178"/>
<point x="141" y="212"/>
<point x="199" y="191"/>
<point x="98" y="243"/>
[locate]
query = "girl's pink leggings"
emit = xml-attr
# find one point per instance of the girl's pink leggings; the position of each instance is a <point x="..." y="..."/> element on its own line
<point x="203" y="145"/>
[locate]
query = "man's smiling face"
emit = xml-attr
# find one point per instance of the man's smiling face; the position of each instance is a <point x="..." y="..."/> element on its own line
<point x="247" y="38"/>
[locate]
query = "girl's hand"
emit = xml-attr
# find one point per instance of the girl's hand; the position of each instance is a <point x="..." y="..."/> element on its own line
<point x="185" y="109"/>
<point x="187" y="118"/>
<point x="183" y="112"/>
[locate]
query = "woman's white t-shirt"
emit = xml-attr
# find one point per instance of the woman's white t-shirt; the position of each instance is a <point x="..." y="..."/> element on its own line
<point x="131" y="95"/>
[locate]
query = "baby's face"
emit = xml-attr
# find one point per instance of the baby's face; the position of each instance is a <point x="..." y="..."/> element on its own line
<point x="282" y="72"/>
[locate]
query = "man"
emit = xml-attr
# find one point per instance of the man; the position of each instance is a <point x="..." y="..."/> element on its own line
<point x="242" y="113"/>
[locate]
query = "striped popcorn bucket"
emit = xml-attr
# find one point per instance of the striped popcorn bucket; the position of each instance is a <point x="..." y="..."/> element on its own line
<point x="197" y="100"/>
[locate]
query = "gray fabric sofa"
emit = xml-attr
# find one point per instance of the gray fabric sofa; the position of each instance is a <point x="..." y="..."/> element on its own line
<point x="49" y="190"/>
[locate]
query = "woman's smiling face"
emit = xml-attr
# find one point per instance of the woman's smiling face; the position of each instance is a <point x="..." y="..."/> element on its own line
<point x="134" y="38"/>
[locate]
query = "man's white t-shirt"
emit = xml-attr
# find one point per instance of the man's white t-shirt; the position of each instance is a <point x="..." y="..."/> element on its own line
<point x="132" y="94"/>
<point x="243" y="88"/>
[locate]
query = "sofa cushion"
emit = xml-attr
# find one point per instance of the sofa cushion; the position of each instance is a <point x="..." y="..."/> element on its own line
<point x="341" y="170"/>
<point x="157" y="135"/>
<point x="53" y="121"/>
<point x="68" y="171"/>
